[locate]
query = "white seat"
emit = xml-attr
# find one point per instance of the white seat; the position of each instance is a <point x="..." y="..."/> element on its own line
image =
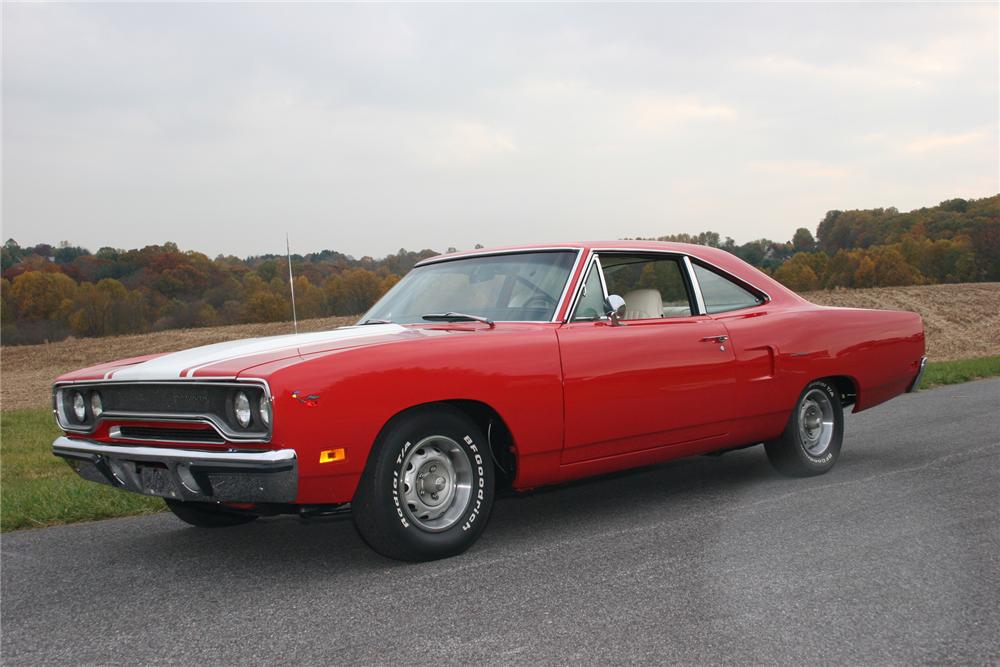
<point x="643" y="304"/>
<point x="677" y="311"/>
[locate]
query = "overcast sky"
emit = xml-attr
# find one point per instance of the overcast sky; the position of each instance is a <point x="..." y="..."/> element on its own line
<point x="369" y="128"/>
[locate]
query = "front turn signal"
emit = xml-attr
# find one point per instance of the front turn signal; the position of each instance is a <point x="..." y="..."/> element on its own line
<point x="332" y="455"/>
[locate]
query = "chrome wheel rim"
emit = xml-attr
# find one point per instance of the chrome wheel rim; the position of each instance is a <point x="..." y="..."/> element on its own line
<point x="816" y="422"/>
<point x="435" y="483"/>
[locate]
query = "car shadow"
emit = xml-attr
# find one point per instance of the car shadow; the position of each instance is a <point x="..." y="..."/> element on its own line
<point x="518" y="522"/>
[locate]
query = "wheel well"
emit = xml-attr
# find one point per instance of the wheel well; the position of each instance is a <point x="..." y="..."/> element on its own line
<point x="497" y="435"/>
<point x="847" y="387"/>
<point x="492" y="425"/>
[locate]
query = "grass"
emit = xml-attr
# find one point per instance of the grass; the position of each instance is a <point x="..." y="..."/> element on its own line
<point x="38" y="489"/>
<point x="962" y="370"/>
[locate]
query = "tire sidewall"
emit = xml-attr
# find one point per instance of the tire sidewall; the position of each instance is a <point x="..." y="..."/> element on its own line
<point x="391" y="516"/>
<point x="825" y="460"/>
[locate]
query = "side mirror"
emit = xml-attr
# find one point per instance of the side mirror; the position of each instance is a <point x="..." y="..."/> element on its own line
<point x="614" y="308"/>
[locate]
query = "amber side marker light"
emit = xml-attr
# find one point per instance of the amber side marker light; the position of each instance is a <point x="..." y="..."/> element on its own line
<point x="332" y="455"/>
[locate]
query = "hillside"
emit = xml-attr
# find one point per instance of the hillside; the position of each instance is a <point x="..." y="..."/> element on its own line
<point x="961" y="322"/>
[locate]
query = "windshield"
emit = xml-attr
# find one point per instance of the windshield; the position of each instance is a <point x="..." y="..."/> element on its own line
<point x="515" y="287"/>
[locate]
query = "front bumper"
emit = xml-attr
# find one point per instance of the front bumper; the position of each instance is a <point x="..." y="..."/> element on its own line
<point x="228" y="476"/>
<point x="915" y="385"/>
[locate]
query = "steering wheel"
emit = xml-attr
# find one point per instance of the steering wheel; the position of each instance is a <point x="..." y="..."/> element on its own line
<point x="540" y="301"/>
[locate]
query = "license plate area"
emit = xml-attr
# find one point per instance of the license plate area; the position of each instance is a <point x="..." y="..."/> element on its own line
<point x="156" y="479"/>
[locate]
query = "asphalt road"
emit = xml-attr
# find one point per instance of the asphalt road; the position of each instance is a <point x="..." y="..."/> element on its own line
<point x="893" y="557"/>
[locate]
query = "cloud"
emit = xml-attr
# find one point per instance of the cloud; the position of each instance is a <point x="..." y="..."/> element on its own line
<point x="809" y="169"/>
<point x="661" y="113"/>
<point x="369" y="127"/>
<point x="938" y="142"/>
<point x="466" y="143"/>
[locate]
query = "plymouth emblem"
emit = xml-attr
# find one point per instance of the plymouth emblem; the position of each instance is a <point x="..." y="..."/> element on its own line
<point x="312" y="400"/>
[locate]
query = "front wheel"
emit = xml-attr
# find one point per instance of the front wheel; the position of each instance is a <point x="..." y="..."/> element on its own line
<point x="810" y="444"/>
<point x="427" y="490"/>
<point x="208" y="515"/>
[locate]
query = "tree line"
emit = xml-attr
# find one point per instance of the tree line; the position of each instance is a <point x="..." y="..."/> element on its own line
<point x="51" y="292"/>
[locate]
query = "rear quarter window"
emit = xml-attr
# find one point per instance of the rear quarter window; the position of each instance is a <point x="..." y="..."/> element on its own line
<point x="722" y="294"/>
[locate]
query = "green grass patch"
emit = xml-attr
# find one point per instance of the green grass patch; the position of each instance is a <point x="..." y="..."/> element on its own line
<point x="963" y="370"/>
<point x="39" y="489"/>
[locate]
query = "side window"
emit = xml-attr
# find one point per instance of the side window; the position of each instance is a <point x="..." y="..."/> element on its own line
<point x="722" y="294"/>
<point x="591" y="304"/>
<point x="653" y="287"/>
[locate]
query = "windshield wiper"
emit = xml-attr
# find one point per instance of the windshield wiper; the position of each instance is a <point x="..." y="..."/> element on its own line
<point x="375" y="322"/>
<point x="457" y="317"/>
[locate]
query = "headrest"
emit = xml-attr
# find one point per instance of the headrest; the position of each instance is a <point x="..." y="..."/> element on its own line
<point x="643" y="304"/>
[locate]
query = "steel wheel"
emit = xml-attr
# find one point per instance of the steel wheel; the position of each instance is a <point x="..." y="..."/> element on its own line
<point x="435" y="483"/>
<point x="813" y="435"/>
<point x="816" y="422"/>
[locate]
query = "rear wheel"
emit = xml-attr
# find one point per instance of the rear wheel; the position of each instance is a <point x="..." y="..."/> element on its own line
<point x="208" y="515"/>
<point x="810" y="444"/>
<point x="427" y="490"/>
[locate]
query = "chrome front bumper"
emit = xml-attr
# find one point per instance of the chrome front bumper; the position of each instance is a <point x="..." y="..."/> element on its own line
<point x="915" y="385"/>
<point x="186" y="474"/>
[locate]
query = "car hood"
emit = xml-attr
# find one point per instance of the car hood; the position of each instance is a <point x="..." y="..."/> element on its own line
<point x="227" y="360"/>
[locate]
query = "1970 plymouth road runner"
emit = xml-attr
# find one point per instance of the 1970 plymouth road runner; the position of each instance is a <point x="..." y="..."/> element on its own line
<point x="509" y="368"/>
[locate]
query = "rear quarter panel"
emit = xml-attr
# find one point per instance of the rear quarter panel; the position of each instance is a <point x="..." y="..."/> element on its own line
<point x="780" y="350"/>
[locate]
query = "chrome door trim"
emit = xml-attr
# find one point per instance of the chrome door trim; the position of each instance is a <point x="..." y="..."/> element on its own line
<point x="695" y="286"/>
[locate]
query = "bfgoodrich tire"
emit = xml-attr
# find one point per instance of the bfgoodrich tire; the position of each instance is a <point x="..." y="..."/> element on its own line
<point x="427" y="489"/>
<point x="810" y="444"/>
<point x="208" y="515"/>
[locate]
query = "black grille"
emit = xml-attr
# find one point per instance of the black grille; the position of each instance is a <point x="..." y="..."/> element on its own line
<point x="165" y="398"/>
<point x="171" y="434"/>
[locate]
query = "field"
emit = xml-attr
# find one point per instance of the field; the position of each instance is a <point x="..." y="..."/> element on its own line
<point x="37" y="489"/>
<point x="961" y="323"/>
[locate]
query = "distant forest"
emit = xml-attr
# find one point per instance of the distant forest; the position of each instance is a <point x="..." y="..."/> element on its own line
<point x="51" y="292"/>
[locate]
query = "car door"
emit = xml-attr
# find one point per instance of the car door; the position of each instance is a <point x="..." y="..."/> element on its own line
<point x="662" y="376"/>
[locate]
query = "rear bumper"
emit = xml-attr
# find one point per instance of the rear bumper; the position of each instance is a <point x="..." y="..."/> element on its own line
<point x="199" y="475"/>
<point x="915" y="385"/>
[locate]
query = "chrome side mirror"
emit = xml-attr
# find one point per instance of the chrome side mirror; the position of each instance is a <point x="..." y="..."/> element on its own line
<point x="614" y="308"/>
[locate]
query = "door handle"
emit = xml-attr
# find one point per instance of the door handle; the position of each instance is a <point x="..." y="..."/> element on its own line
<point x="715" y="339"/>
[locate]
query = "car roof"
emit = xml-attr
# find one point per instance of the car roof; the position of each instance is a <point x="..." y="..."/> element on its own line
<point x="619" y="244"/>
<point x="717" y="257"/>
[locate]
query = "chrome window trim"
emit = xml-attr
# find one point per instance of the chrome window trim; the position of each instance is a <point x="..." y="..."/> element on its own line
<point x="487" y="253"/>
<point x="569" y="282"/>
<point x="594" y="261"/>
<point x="692" y="259"/>
<point x="224" y="430"/>
<point x="695" y="286"/>
<point x="578" y="288"/>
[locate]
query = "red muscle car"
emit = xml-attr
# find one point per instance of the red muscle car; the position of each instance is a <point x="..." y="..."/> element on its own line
<point x="510" y="368"/>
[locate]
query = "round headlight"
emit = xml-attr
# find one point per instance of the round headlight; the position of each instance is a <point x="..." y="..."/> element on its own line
<point x="241" y="406"/>
<point x="79" y="407"/>
<point x="96" y="406"/>
<point x="265" y="410"/>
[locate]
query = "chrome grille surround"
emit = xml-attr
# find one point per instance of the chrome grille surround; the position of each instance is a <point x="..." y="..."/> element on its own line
<point x="209" y="415"/>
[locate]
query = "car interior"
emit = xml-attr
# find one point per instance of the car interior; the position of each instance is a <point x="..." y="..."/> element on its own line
<point x="655" y="287"/>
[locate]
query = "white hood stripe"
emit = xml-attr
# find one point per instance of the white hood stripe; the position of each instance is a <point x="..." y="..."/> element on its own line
<point x="186" y="363"/>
